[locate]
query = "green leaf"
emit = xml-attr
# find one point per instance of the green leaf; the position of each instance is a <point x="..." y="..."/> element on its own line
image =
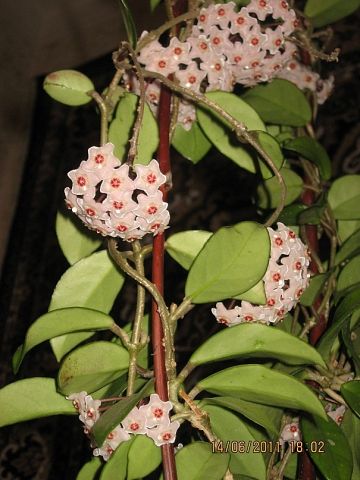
<point x="116" y="466"/>
<point x="267" y="417"/>
<point x="92" y="366"/>
<point x="143" y="457"/>
<point x="351" y="392"/>
<point x="32" y="398"/>
<point x="183" y="247"/>
<point x="59" y="322"/>
<point x="225" y="266"/>
<point x="312" y="215"/>
<point x="256" y="294"/>
<point x="197" y="462"/>
<point x="93" y="282"/>
<point x="349" y="276"/>
<point x="312" y="150"/>
<point x="128" y="23"/>
<point x="342" y="314"/>
<point x="323" y="12"/>
<point x="272" y="148"/>
<point x="69" y="87"/>
<point x="259" y="384"/>
<point x="344" y="197"/>
<point x="112" y="417"/>
<point x="334" y="460"/>
<point x="269" y="193"/>
<point x="351" y="428"/>
<point x="350" y="334"/>
<point x="90" y="469"/>
<point x="75" y="240"/>
<point x="349" y="249"/>
<point x="290" y="214"/>
<point x="218" y="130"/>
<point x="249" y="340"/>
<point x="120" y="130"/>
<point x="191" y="144"/>
<point x="279" y="102"/>
<point x="314" y="289"/>
<point x="232" y="431"/>
<point x="346" y="228"/>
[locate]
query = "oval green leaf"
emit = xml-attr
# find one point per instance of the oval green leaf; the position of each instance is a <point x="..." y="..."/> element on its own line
<point x="346" y="228"/>
<point x="183" y="247"/>
<point x="75" y="240"/>
<point x="32" y="398"/>
<point x="69" y="87"/>
<point x="92" y="366"/>
<point x="219" y="132"/>
<point x="279" y="102"/>
<point x="143" y="457"/>
<point x="121" y="129"/>
<point x="59" y="322"/>
<point x="225" y="266"/>
<point x="229" y="428"/>
<point x="263" y="415"/>
<point x="191" y="144"/>
<point x="335" y="459"/>
<point x="323" y="12"/>
<point x="197" y="462"/>
<point x="351" y="392"/>
<point x="116" y="466"/>
<point x="269" y="193"/>
<point x="112" y="417"/>
<point x="256" y="294"/>
<point x="255" y="340"/>
<point x="349" y="249"/>
<point x="344" y="197"/>
<point x="312" y="150"/>
<point x="93" y="282"/>
<point x="349" y="276"/>
<point x="351" y="428"/>
<point x="314" y="289"/>
<point x="273" y="149"/>
<point x="257" y="383"/>
<point x="90" y="470"/>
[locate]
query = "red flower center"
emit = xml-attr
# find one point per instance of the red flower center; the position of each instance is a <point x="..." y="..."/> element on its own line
<point x="278" y="42"/>
<point x="216" y="40"/>
<point x="166" y="436"/>
<point x="271" y="302"/>
<point x="162" y="64"/>
<point x="203" y="46"/>
<point x="248" y="318"/>
<point x="115" y="182"/>
<point x="221" y="12"/>
<point x="255" y="41"/>
<point x="134" y="426"/>
<point x="202" y="18"/>
<point x="284" y="4"/>
<point x="178" y="51"/>
<point x="151" y="178"/>
<point x="155" y="226"/>
<point x="121" y="228"/>
<point x="278" y="241"/>
<point x="262" y="3"/>
<point x="90" y="212"/>
<point x="276" y="277"/>
<point x="240" y="20"/>
<point x="99" y="158"/>
<point x="237" y="59"/>
<point x="293" y="428"/>
<point x="81" y="181"/>
<point x="158" y="412"/>
<point x="292" y="234"/>
<point x="298" y="265"/>
<point x="217" y="67"/>
<point x="152" y="209"/>
<point x="118" y="205"/>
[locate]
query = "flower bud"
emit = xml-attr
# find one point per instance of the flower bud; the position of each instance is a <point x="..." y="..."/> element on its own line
<point x="69" y="87"/>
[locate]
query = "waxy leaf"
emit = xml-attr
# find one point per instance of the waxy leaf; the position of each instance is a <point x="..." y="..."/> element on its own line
<point x="230" y="428"/>
<point x="344" y="197"/>
<point x="121" y="129"/>
<point x="59" y="322"/>
<point x="312" y="150"/>
<point x="112" y="417"/>
<point x="192" y="144"/>
<point x="75" y="240"/>
<point x="257" y="383"/>
<point x="351" y="392"/>
<point x="312" y="215"/>
<point x="93" y="282"/>
<point x="92" y="366"/>
<point x="279" y="102"/>
<point x="351" y="428"/>
<point x="197" y="461"/>
<point x="219" y="133"/>
<point x="332" y="453"/>
<point x="225" y="266"/>
<point x="342" y="314"/>
<point x="116" y="466"/>
<point x="290" y="214"/>
<point x="350" y="334"/>
<point x="143" y="457"/>
<point x="183" y="247"/>
<point x="269" y="193"/>
<point x="90" y="470"/>
<point x="272" y="148"/>
<point x="263" y="415"/>
<point x="323" y="12"/>
<point x="349" y="249"/>
<point x="255" y="340"/>
<point x="346" y="228"/>
<point x="349" y="276"/>
<point x="128" y="23"/>
<point x="256" y="294"/>
<point x="69" y="87"/>
<point x="32" y="398"/>
<point x="314" y="289"/>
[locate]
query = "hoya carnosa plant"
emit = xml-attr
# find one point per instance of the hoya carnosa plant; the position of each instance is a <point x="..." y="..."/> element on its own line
<point x="278" y="392"/>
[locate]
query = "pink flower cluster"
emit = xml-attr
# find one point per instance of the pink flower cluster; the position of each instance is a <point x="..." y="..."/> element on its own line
<point x="285" y="280"/>
<point x="109" y="201"/>
<point x="151" y="419"/>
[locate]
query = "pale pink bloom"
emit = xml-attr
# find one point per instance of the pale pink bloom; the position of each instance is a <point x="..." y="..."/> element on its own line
<point x="87" y="407"/>
<point x="219" y="40"/>
<point x="71" y="200"/>
<point x="179" y="51"/>
<point x="149" y="177"/>
<point x="291" y="432"/>
<point x="93" y="209"/>
<point x="163" y="433"/>
<point x="261" y="8"/>
<point x="324" y="89"/>
<point x="275" y="40"/>
<point x="187" y="115"/>
<point x="113" y="440"/>
<point x="280" y="8"/>
<point x="336" y="414"/>
<point x="151" y="50"/>
<point x="135" y="422"/>
<point x="242" y="22"/>
<point x="120" y="203"/>
<point x="163" y="63"/>
<point x="255" y="39"/>
<point x="83" y="181"/>
<point x="133" y="234"/>
<point x="150" y="206"/>
<point x="157" y="225"/>
<point x="200" y="47"/>
<point x="207" y="18"/>
<point x="117" y="181"/>
<point x="216" y="69"/>
<point x="156" y="411"/>
<point x="225" y="316"/>
<point x="224" y="13"/>
<point x="122" y="224"/>
<point x="290" y="23"/>
<point x="101" y="159"/>
<point x="191" y="77"/>
<point x="152" y="92"/>
<point x="99" y="226"/>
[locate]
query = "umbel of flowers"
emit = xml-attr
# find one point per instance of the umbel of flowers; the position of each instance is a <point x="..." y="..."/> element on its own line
<point x="284" y="281"/>
<point x="151" y="419"/>
<point x="112" y="201"/>
<point x="227" y="46"/>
